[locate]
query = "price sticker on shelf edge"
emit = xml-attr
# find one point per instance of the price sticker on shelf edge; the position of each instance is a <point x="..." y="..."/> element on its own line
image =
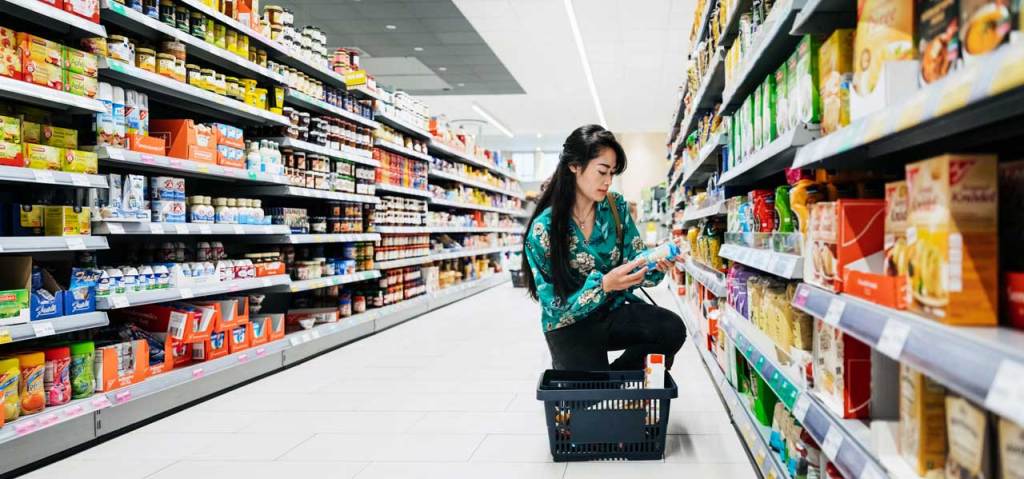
<point x="156" y="228"/>
<point x="1006" y="393"/>
<point x="835" y="312"/>
<point x="115" y="228"/>
<point x="238" y="230"/>
<point x="80" y="180"/>
<point x="44" y="176"/>
<point x="197" y="373"/>
<point x="833" y="441"/>
<point x="186" y="293"/>
<point x="205" y="229"/>
<point x="43" y="328"/>
<point x="803" y="403"/>
<point x="5" y="336"/>
<point x="119" y="301"/>
<point x="893" y="338"/>
<point x="123" y="396"/>
<point x="869" y="472"/>
<point x="181" y="229"/>
<point x="75" y="243"/>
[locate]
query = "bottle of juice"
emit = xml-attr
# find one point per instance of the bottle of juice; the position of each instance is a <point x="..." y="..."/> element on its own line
<point x="33" y="392"/>
<point x="10" y="379"/>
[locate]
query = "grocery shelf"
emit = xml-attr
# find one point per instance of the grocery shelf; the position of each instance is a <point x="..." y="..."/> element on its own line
<point x="770" y="159"/>
<point x="708" y="95"/>
<point x="52" y="18"/>
<point x="983" y="364"/>
<point x="824" y="16"/>
<point x="153" y="29"/>
<point x="323" y="150"/>
<point x="447" y="229"/>
<point x="119" y="301"/>
<point x="771" y="47"/>
<point x="474" y="183"/>
<point x="437" y="147"/>
<point x="401" y="150"/>
<point x="194" y="169"/>
<point x="39" y="244"/>
<point x="402" y="190"/>
<point x="314" y="238"/>
<point x="154" y="228"/>
<point x="308" y="284"/>
<point x="46" y="97"/>
<point x="401" y="263"/>
<point x="471" y="206"/>
<point x="186" y="96"/>
<point x="705" y="19"/>
<point x="47" y="327"/>
<point x="789" y="266"/>
<point x="978" y="104"/>
<point x="706" y="163"/>
<point x="711" y="279"/>
<point x="298" y="191"/>
<point x="401" y="125"/>
<point x="275" y="50"/>
<point x="694" y="214"/>
<point x="852" y="455"/>
<point x="303" y="100"/>
<point x="49" y="177"/>
<point x="732" y="22"/>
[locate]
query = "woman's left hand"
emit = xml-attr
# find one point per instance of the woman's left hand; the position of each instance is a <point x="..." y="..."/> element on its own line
<point x="665" y="265"/>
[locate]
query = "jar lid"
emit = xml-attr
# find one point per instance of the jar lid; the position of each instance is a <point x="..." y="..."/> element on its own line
<point x="192" y="66"/>
<point x="232" y="202"/>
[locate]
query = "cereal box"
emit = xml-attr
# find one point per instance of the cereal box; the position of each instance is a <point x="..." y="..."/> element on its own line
<point x="952" y="238"/>
<point x="835" y="69"/>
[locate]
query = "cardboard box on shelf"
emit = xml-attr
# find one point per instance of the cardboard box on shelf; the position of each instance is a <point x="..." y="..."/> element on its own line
<point x="47" y="297"/>
<point x="232" y="157"/>
<point x="78" y="61"/>
<point x="10" y="57"/>
<point x="27" y="220"/>
<point x="835" y="71"/>
<point x="147" y="144"/>
<point x="259" y="329"/>
<point x="11" y="154"/>
<point x="922" y="427"/>
<point x="57" y="137"/>
<point x="184" y="323"/>
<point x="969" y="437"/>
<point x="31" y="132"/>
<point x="842" y="372"/>
<point x="842" y="235"/>
<point x="42" y="157"/>
<point x="121" y="364"/>
<point x="882" y="277"/>
<point x="229" y="135"/>
<point x="67" y="221"/>
<point x="36" y="50"/>
<point x="984" y="26"/>
<point x="187" y="140"/>
<point x="81" y="84"/>
<point x="77" y="161"/>
<point x="806" y="102"/>
<point x="1011" y="232"/>
<point x="885" y="33"/>
<point x="230" y="312"/>
<point x="10" y="129"/>
<point x="15" y="285"/>
<point x="938" y="30"/>
<point x="43" y="74"/>
<point x="214" y="347"/>
<point x="275" y="325"/>
<point x="952" y="238"/>
<point x="239" y="338"/>
<point x="87" y="9"/>
<point x="1011" y="449"/>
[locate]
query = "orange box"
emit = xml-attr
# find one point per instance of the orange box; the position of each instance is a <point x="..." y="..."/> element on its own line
<point x="953" y="239"/>
<point x="227" y="156"/>
<point x="187" y="140"/>
<point x="108" y="361"/>
<point x="270" y="269"/>
<point x="238" y="338"/>
<point x="274" y="325"/>
<point x="147" y="144"/>
<point x="230" y="312"/>
<point x="842" y="235"/>
<point x="259" y="329"/>
<point x="38" y="50"/>
<point x="176" y="355"/>
<point x="182" y="322"/>
<point x="214" y="347"/>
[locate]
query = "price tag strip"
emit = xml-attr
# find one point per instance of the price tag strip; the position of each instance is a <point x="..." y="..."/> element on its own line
<point x="893" y="338"/>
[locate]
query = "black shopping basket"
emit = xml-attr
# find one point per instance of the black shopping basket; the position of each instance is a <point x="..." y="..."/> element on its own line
<point x="605" y="415"/>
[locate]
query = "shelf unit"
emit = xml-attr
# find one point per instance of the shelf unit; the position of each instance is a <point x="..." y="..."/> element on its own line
<point x="47" y="327"/>
<point x="439" y="148"/>
<point x="187" y="96"/>
<point x="35" y="437"/>
<point x="119" y="301"/>
<point x="323" y="150"/>
<point x="153" y="29"/>
<point x="824" y="16"/>
<point x="474" y="183"/>
<point x="52" y="18"/>
<point x="447" y="229"/>
<point x="40" y="244"/>
<point x="402" y="190"/>
<point x="706" y="163"/>
<point x="789" y="266"/>
<point x="711" y="279"/>
<point x="982" y="364"/>
<point x="315" y="238"/>
<point x="708" y="95"/>
<point x="303" y="100"/>
<point x="300" y="192"/>
<point x="400" y="125"/>
<point x="326" y="282"/>
<point x="771" y="158"/>
<point x="154" y="228"/>
<point x="471" y="206"/>
<point x="401" y="263"/>
<point x="693" y="214"/>
<point x="401" y="150"/>
<point x="39" y="95"/>
<point x="194" y="169"/>
<point x="16" y="174"/>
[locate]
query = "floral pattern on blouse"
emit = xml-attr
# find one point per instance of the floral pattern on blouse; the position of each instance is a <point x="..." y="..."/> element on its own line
<point x="590" y="260"/>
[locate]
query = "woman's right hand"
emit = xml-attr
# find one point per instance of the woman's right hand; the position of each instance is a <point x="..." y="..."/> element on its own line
<point x="625" y="276"/>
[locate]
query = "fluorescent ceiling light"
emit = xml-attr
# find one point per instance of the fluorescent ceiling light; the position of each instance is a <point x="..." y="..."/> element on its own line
<point x="494" y="122"/>
<point x="419" y="49"/>
<point x="575" y="27"/>
<point x="390" y="27"/>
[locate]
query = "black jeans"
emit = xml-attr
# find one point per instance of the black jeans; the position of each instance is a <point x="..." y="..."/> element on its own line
<point x="639" y="328"/>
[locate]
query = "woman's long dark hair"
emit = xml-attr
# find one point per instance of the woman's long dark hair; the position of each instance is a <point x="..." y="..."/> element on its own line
<point x="583" y="145"/>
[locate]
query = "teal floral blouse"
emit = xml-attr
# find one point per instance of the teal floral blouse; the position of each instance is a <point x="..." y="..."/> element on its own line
<point x="591" y="259"/>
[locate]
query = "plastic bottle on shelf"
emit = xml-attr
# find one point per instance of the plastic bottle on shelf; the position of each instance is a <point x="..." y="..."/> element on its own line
<point x="120" y="127"/>
<point x="667" y="251"/>
<point x="253" y="160"/>
<point x="258" y="215"/>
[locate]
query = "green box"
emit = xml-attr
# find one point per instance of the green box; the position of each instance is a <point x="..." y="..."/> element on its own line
<point x="758" y="108"/>
<point x="14" y="287"/>
<point x="807" y="95"/>
<point x="10" y="129"/>
<point x="781" y="99"/>
<point x="791" y="89"/>
<point x="764" y="399"/>
<point x="58" y="137"/>
<point x="768" y="116"/>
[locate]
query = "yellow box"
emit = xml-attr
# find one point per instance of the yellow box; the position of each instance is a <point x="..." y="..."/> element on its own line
<point x="31" y="132"/>
<point x="30" y="219"/>
<point x="1011" y="449"/>
<point x="885" y="32"/>
<point x="41" y="50"/>
<point x="922" y="428"/>
<point x="10" y="129"/>
<point x="42" y="157"/>
<point x="11" y="154"/>
<point x="835" y="71"/>
<point x="968" y="432"/>
<point x="952" y="239"/>
<point x="84" y="220"/>
<point x="77" y="61"/>
<point x="80" y="84"/>
<point x="77" y="161"/>
<point x="59" y="137"/>
<point x="63" y="220"/>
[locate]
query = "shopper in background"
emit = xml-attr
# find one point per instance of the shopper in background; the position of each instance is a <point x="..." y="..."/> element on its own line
<point x="580" y="261"/>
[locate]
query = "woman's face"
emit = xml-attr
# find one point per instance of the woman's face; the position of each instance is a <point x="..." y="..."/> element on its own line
<point x="593" y="181"/>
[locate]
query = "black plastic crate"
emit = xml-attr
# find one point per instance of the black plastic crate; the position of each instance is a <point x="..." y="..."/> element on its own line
<point x="605" y="415"/>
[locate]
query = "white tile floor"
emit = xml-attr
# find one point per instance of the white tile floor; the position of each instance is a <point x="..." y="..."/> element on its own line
<point x="448" y="395"/>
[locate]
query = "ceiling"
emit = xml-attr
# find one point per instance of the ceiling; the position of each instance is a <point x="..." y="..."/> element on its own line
<point x="529" y="76"/>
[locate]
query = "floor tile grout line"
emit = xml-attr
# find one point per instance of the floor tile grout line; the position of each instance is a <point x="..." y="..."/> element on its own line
<point x="477" y="448"/>
<point x="154" y="473"/>
<point x="300" y="443"/>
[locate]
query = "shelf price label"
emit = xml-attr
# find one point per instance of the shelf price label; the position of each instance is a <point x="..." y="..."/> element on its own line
<point x="123" y="397"/>
<point x="803" y="403"/>
<point x="186" y="293"/>
<point x="156" y="228"/>
<point x="1006" y="394"/>
<point x="893" y="338"/>
<point x="181" y="229"/>
<point x="43" y="328"/>
<point x="833" y="441"/>
<point x="80" y="180"/>
<point x="835" y="312"/>
<point x="5" y="336"/>
<point x="238" y="229"/>
<point x="869" y="472"/>
<point x="115" y="228"/>
<point x="205" y="229"/>
<point x="197" y="373"/>
<point x="119" y="301"/>
<point x="75" y="243"/>
<point x="44" y="176"/>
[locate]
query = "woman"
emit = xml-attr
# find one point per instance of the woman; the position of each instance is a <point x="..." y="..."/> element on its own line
<point x="580" y="262"/>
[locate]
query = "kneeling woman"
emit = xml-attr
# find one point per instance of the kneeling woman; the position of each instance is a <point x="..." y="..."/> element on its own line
<point x="581" y="263"/>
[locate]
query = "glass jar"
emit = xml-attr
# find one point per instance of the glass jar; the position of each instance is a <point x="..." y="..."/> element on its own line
<point x="175" y="48"/>
<point x="167" y="12"/>
<point x="209" y="78"/>
<point x="181" y="18"/>
<point x="198" y="25"/>
<point x="145" y="59"/>
<point x="194" y="75"/>
<point x="165" y="64"/>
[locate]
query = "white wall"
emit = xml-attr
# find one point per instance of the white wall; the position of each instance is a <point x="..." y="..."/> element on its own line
<point x="646" y="165"/>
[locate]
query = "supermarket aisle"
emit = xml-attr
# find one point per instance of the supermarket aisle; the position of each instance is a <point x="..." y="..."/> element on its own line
<point x="447" y="395"/>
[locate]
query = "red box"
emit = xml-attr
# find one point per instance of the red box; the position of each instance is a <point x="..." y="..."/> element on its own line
<point x="182" y="322"/>
<point x="214" y="347"/>
<point x="842" y="235"/>
<point x="147" y="144"/>
<point x="187" y="140"/>
<point x="878" y="288"/>
<point x="88" y="9"/>
<point x="238" y="338"/>
<point x="842" y="372"/>
<point x="54" y="3"/>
